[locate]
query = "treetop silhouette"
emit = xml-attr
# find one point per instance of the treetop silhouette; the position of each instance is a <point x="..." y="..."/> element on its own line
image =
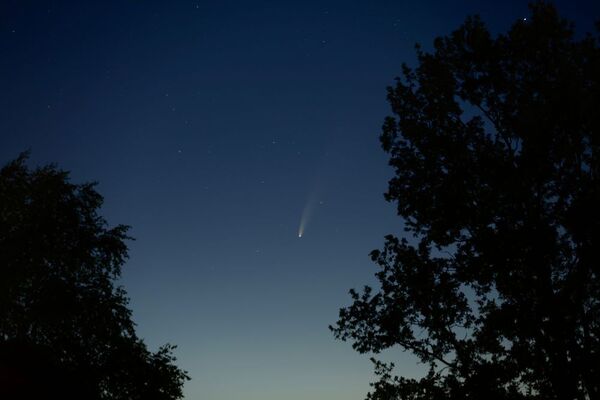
<point x="494" y="143"/>
<point x="65" y="327"/>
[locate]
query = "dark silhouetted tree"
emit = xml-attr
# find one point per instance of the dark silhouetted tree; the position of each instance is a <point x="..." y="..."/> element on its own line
<point x="495" y="288"/>
<point x="65" y="328"/>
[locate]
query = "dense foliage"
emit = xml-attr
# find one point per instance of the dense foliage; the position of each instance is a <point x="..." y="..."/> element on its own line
<point x="65" y="328"/>
<point x="496" y="287"/>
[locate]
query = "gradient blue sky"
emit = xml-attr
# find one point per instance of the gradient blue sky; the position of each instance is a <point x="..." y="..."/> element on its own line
<point x="209" y="126"/>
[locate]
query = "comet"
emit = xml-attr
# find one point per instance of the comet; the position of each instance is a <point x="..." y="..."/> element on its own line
<point x="307" y="213"/>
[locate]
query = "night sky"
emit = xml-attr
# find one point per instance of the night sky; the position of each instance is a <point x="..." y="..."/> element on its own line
<point x="212" y="128"/>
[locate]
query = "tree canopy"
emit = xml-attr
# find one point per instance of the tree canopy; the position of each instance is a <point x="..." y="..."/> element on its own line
<point x="65" y="328"/>
<point x="495" y="286"/>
